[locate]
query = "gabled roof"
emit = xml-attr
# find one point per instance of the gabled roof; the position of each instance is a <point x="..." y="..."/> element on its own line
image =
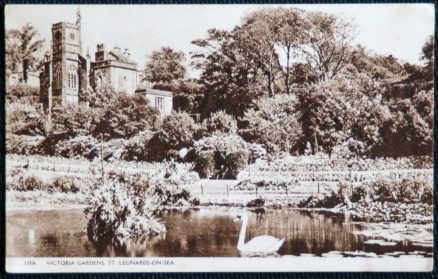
<point x="117" y="55"/>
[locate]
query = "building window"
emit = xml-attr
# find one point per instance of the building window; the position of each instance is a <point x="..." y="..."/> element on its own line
<point x="72" y="78"/>
<point x="123" y="83"/>
<point x="58" y="77"/>
<point x="159" y="102"/>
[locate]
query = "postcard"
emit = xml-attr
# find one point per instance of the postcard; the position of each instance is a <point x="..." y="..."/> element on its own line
<point x="219" y="138"/>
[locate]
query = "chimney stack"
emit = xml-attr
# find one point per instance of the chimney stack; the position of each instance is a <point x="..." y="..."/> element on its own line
<point x="100" y="53"/>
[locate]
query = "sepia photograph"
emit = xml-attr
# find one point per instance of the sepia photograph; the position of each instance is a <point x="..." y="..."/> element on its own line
<point x="181" y="138"/>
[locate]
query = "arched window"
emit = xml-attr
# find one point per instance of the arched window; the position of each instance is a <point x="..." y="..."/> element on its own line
<point x="57" y="77"/>
<point x="73" y="77"/>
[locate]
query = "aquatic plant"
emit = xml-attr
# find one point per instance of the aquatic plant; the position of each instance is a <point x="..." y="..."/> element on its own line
<point x="117" y="211"/>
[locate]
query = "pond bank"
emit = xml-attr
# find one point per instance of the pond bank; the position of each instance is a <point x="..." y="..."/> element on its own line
<point x="373" y="212"/>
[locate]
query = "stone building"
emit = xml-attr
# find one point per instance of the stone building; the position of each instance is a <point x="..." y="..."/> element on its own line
<point x="68" y="74"/>
<point x="115" y="69"/>
<point x="65" y="69"/>
<point x="162" y="100"/>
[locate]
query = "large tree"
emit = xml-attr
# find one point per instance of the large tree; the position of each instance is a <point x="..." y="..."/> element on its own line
<point x="21" y="48"/>
<point x="229" y="75"/>
<point x="165" y="67"/>
<point x="428" y="55"/>
<point x="255" y="40"/>
<point x="327" y="46"/>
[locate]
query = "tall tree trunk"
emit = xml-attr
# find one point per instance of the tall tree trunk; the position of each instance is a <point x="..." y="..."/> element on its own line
<point x="271" y="88"/>
<point x="316" y="141"/>
<point x="25" y="69"/>
<point x="287" y="71"/>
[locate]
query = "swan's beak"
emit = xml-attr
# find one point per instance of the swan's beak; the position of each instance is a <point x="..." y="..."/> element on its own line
<point x="237" y="219"/>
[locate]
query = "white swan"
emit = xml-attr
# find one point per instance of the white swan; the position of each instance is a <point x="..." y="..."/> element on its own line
<point x="260" y="245"/>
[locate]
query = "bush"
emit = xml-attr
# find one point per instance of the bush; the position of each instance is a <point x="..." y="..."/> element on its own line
<point x="71" y="121"/>
<point x="320" y="201"/>
<point x="78" y="147"/>
<point x="426" y="195"/>
<point x="230" y="154"/>
<point x="257" y="152"/>
<point x="178" y="131"/>
<point x="126" y="205"/>
<point x="125" y="116"/>
<point x="359" y="193"/>
<point x="24" y="119"/>
<point x="220" y="122"/>
<point x="204" y="164"/>
<point x="273" y="123"/>
<point x="25" y="182"/>
<point x="256" y="203"/>
<point x="114" y="213"/>
<point x="136" y="149"/>
<point x="20" y="181"/>
<point x="236" y="161"/>
<point x="407" y="190"/>
<point x="23" y="145"/>
<point x="23" y="94"/>
<point x="64" y="184"/>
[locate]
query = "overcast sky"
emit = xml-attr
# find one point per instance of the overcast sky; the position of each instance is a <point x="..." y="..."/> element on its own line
<point x="397" y="29"/>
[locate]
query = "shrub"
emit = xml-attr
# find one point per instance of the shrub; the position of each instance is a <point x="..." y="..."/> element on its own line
<point x="23" y="94"/>
<point x="114" y="214"/>
<point x="204" y="164"/>
<point x="257" y="151"/>
<point x="71" y="121"/>
<point x="256" y="203"/>
<point x="236" y="162"/>
<point x="136" y="149"/>
<point x="320" y="201"/>
<point x="126" y="205"/>
<point x="25" y="182"/>
<point x="78" y="147"/>
<point x="64" y="184"/>
<point x="273" y="123"/>
<point x="24" y="145"/>
<point x="178" y="131"/>
<point x="426" y="195"/>
<point x="32" y="183"/>
<point x="230" y="154"/>
<point x="407" y="190"/>
<point x="124" y="116"/>
<point x="24" y="119"/>
<point x="220" y="122"/>
<point x="359" y="193"/>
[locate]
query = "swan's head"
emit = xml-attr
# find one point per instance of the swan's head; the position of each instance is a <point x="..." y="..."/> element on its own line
<point x="241" y="216"/>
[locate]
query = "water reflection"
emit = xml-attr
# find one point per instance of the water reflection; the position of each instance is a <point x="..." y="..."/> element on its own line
<point x="195" y="233"/>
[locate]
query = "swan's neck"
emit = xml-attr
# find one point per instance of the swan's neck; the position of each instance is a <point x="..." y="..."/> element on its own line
<point x="242" y="234"/>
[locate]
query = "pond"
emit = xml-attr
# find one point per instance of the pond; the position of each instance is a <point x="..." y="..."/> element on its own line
<point x="212" y="233"/>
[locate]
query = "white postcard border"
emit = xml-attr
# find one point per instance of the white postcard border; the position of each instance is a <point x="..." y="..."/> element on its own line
<point x="210" y="264"/>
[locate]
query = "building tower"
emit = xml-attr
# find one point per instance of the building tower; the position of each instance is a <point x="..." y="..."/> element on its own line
<point x="66" y="51"/>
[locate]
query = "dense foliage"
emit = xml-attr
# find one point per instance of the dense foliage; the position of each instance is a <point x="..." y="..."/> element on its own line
<point x="125" y="116"/>
<point x="406" y="190"/>
<point x="221" y="156"/>
<point x="283" y="80"/>
<point x="178" y="131"/>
